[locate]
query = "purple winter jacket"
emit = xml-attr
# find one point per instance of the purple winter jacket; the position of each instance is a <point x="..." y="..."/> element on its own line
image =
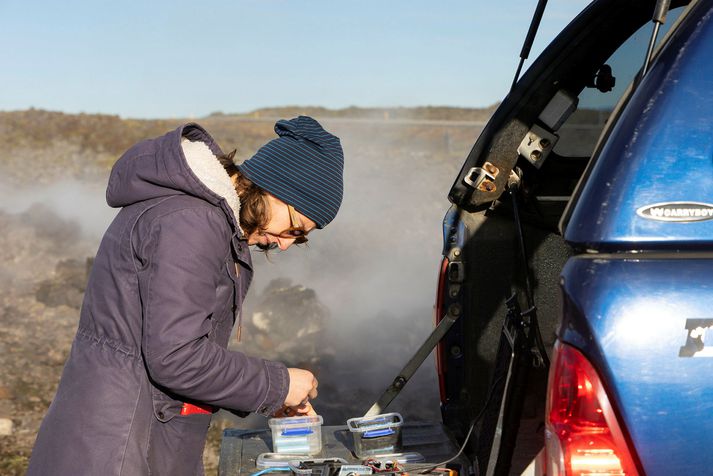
<point x="167" y="283"/>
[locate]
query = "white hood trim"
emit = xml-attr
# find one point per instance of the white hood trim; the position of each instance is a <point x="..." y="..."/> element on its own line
<point x="211" y="173"/>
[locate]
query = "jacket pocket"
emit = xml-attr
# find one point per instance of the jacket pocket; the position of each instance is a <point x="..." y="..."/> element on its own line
<point x="235" y="301"/>
<point x="223" y="315"/>
<point x="176" y="445"/>
<point x="165" y="408"/>
<point x="234" y="275"/>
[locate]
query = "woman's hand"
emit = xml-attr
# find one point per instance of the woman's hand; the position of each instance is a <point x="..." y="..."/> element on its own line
<point x="303" y="386"/>
<point x="302" y="410"/>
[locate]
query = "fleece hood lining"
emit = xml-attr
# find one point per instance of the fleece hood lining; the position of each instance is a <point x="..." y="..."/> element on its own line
<point x="206" y="167"/>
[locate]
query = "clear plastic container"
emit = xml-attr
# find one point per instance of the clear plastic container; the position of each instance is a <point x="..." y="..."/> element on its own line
<point x="297" y="435"/>
<point x="376" y="435"/>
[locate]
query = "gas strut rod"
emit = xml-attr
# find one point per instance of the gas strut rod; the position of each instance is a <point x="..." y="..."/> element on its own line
<point x="454" y="312"/>
<point x="659" y="19"/>
<point x="529" y="39"/>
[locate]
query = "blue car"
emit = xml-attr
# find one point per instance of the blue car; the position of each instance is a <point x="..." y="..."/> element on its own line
<point x="578" y="255"/>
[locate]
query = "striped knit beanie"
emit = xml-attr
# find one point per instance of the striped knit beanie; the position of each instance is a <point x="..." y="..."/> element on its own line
<point x="303" y="167"/>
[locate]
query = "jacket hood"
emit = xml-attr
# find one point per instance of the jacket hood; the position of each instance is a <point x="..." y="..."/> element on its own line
<point x="184" y="161"/>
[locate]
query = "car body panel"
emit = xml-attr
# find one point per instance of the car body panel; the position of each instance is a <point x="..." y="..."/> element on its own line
<point x="660" y="151"/>
<point x="633" y="318"/>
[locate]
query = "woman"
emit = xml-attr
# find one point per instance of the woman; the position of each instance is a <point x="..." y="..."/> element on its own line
<point x="149" y="363"/>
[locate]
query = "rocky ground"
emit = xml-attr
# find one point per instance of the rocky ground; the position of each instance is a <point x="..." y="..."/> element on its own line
<point x="44" y="266"/>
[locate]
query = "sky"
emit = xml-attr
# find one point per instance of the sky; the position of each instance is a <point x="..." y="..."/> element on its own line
<point x="167" y="59"/>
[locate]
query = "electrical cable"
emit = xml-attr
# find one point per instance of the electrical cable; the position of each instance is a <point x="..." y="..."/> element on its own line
<point x="539" y="343"/>
<point x="272" y="470"/>
<point x="431" y="467"/>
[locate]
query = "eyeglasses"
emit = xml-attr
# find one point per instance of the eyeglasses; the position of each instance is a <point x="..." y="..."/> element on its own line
<point x="295" y="231"/>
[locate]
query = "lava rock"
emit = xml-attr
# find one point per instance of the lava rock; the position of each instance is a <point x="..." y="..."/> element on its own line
<point x="288" y="324"/>
<point x="67" y="285"/>
<point x="6" y="427"/>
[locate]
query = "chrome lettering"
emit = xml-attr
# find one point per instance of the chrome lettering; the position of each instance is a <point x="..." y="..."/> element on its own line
<point x="677" y="211"/>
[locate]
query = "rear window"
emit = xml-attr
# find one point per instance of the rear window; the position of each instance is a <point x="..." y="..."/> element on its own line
<point x="580" y="133"/>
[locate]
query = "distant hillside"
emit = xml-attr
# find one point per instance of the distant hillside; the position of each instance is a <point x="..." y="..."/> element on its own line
<point x="38" y="145"/>
<point x="430" y="113"/>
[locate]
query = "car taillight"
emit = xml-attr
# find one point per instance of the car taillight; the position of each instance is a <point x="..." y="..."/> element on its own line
<point x="583" y="436"/>
<point x="439" y="312"/>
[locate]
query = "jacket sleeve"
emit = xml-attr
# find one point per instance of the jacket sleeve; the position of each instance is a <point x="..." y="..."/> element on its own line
<point x="182" y="254"/>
